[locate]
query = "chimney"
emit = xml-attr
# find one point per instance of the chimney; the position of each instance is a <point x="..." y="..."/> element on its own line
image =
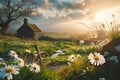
<point x="25" y="21"/>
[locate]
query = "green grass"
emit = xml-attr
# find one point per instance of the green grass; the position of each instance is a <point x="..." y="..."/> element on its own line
<point x="64" y="72"/>
<point x="45" y="74"/>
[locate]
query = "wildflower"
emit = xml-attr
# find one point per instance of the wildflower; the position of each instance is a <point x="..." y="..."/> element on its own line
<point x="35" y="67"/>
<point x="27" y="65"/>
<point x="27" y="51"/>
<point x="69" y="64"/>
<point x="101" y="78"/>
<point x="34" y="52"/>
<point x="84" y="71"/>
<point x="78" y="56"/>
<point x="2" y="61"/>
<point x="8" y="70"/>
<point x="71" y="58"/>
<point x="87" y="69"/>
<point x="12" y="54"/>
<point x="81" y="42"/>
<point x="19" y="61"/>
<point x="35" y="55"/>
<point x="96" y="59"/>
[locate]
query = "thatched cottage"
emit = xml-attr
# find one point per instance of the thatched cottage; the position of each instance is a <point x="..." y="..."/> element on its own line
<point x="29" y="31"/>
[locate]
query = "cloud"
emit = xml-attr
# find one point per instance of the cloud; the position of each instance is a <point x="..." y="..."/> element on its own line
<point x="68" y="8"/>
<point x="77" y="14"/>
<point x="64" y="5"/>
<point x="53" y="1"/>
<point x="60" y="8"/>
<point x="61" y="14"/>
<point x="40" y="3"/>
<point x="68" y="4"/>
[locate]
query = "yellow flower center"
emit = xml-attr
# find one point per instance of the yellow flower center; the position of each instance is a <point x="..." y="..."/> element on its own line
<point x="14" y="53"/>
<point x="9" y="70"/>
<point x="96" y="57"/>
<point x="72" y="57"/>
<point x="20" y="61"/>
<point x="34" y="68"/>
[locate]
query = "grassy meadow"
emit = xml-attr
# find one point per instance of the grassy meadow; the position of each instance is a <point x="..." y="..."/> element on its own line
<point x="59" y="67"/>
<point x="59" y="39"/>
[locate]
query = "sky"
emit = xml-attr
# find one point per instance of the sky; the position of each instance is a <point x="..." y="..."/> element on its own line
<point x="72" y="16"/>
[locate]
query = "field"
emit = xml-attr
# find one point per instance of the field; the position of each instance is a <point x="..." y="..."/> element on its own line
<point x="59" y="40"/>
<point x="55" y="67"/>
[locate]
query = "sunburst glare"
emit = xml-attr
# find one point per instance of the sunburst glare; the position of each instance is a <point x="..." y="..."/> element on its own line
<point x="102" y="16"/>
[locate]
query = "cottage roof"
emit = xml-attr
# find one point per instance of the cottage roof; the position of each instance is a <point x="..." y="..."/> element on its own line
<point x="34" y="27"/>
<point x="31" y="26"/>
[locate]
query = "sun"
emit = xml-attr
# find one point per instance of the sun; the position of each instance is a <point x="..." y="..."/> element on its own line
<point x="102" y="16"/>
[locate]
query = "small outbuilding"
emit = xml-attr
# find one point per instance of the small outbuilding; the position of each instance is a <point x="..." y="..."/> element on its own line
<point x="29" y="31"/>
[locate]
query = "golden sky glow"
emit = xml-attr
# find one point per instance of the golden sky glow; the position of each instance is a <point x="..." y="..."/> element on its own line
<point x="102" y="16"/>
<point x="72" y="15"/>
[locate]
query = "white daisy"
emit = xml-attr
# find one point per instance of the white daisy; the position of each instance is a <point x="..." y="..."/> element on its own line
<point x="78" y="56"/>
<point x="19" y="61"/>
<point x="96" y="59"/>
<point x="81" y="42"/>
<point x="69" y="64"/>
<point x="12" y="53"/>
<point x="35" y="52"/>
<point x="2" y="61"/>
<point x="27" y="51"/>
<point x="8" y="70"/>
<point x="84" y="71"/>
<point x="34" y="67"/>
<point x="35" y="55"/>
<point x="71" y="58"/>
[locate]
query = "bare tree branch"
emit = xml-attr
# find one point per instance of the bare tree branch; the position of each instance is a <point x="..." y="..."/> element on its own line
<point x="12" y="11"/>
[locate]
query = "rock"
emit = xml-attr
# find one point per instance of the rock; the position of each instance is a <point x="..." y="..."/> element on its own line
<point x="112" y="49"/>
<point x="58" y="52"/>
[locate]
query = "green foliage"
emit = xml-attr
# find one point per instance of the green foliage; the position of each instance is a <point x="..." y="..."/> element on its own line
<point x="44" y="74"/>
<point x="110" y="71"/>
<point x="75" y="70"/>
<point x="64" y="71"/>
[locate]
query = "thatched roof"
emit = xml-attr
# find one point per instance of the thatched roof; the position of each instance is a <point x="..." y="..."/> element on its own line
<point x="34" y="27"/>
<point x="31" y="26"/>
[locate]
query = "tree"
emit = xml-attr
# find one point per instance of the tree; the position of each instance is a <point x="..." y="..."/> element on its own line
<point x="11" y="10"/>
